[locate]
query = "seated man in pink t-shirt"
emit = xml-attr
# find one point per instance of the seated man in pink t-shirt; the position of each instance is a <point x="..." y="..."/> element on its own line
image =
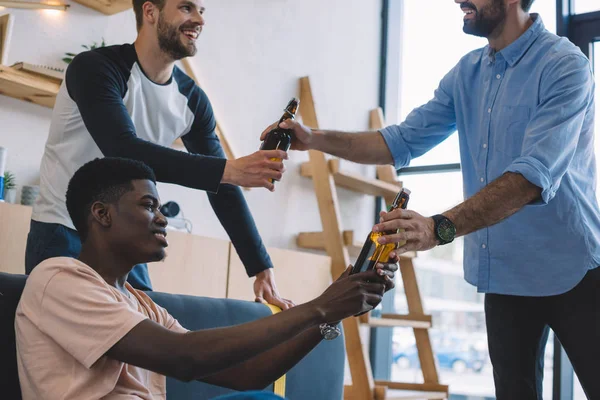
<point x="84" y="333"/>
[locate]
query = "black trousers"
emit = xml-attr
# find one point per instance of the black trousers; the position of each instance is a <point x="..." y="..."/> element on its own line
<point x="518" y="327"/>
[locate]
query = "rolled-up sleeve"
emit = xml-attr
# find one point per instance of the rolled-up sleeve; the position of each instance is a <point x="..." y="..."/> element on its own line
<point x="426" y="126"/>
<point x="553" y="132"/>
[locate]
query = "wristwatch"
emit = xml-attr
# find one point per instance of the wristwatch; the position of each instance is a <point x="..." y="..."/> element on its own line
<point x="329" y="332"/>
<point x="444" y="229"/>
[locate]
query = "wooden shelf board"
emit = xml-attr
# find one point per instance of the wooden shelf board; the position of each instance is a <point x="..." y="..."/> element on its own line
<point x="355" y="182"/>
<point x="395" y="394"/>
<point x="29" y="87"/>
<point x="108" y="7"/>
<point x="316" y="241"/>
<point x="398" y="322"/>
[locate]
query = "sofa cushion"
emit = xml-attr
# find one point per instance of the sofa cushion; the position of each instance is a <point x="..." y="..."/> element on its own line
<point x="319" y="376"/>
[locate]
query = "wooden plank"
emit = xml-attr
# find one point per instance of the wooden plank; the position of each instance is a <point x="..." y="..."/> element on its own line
<point x="376" y="322"/>
<point x="393" y="394"/>
<point x="300" y="276"/>
<point x="386" y="173"/>
<point x="108" y="7"/>
<point x="14" y="227"/>
<point x="6" y="22"/>
<point x="400" y="320"/>
<point x="325" y="190"/>
<point x="413" y="298"/>
<point x="190" y="71"/>
<point x="387" y="393"/>
<point x="425" y="387"/>
<point x="195" y="265"/>
<point x="316" y="241"/>
<point x="355" y="182"/>
<point x="32" y="88"/>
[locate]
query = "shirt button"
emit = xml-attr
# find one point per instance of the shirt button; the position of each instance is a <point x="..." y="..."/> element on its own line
<point x="483" y="246"/>
<point x="481" y="179"/>
<point x="485" y="145"/>
<point x="489" y="110"/>
<point x="498" y="76"/>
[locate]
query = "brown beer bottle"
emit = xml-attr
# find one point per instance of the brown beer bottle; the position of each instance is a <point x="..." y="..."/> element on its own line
<point x="279" y="138"/>
<point x="374" y="252"/>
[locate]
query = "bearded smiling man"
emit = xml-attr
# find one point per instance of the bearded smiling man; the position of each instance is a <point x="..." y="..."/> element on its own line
<point x="523" y="107"/>
<point x="131" y="101"/>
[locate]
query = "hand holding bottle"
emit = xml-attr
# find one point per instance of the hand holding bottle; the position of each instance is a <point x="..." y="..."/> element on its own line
<point x="256" y="170"/>
<point x="415" y="230"/>
<point x="354" y="294"/>
<point x="302" y="136"/>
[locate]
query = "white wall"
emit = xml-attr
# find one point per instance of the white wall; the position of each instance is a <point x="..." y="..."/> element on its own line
<point x="251" y="54"/>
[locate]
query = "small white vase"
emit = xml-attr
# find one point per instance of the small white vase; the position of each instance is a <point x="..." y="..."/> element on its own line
<point x="10" y="195"/>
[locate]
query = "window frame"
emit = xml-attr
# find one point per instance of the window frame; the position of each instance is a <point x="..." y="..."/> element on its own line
<point x="582" y="30"/>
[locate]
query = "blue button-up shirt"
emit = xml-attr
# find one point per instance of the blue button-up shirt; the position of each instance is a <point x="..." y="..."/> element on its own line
<point x="529" y="109"/>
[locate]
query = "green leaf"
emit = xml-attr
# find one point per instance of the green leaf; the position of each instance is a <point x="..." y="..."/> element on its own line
<point x="70" y="54"/>
<point x="67" y="60"/>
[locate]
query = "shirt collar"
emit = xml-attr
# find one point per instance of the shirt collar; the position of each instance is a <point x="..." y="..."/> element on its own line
<point x="517" y="49"/>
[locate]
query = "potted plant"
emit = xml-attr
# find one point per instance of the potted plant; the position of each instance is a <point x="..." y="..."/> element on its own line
<point x="10" y="187"/>
<point x="69" y="56"/>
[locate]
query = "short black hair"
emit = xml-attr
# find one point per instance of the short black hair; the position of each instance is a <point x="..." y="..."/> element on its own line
<point x="526" y="4"/>
<point x="103" y="179"/>
<point x="139" y="13"/>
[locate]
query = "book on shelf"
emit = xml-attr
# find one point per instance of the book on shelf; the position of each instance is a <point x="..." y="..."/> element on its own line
<point x="6" y="22"/>
<point x="50" y="72"/>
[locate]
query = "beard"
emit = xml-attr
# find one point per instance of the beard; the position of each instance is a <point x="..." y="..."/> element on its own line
<point x="169" y="40"/>
<point x="487" y="19"/>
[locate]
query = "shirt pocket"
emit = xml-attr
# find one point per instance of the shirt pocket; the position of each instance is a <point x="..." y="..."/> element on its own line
<point x="510" y="130"/>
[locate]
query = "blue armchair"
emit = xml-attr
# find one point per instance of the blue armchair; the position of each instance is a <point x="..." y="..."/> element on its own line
<point x="319" y="376"/>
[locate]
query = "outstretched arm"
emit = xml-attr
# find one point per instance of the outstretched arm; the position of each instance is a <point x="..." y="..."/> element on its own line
<point x="198" y="354"/>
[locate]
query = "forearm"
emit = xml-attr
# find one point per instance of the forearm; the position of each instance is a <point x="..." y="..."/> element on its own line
<point x="264" y="369"/>
<point x="360" y="147"/>
<point x="212" y="351"/>
<point x="232" y="210"/>
<point x="170" y="166"/>
<point x="497" y="201"/>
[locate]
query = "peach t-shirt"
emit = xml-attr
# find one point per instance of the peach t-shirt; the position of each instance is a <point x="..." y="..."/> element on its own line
<point x="67" y="319"/>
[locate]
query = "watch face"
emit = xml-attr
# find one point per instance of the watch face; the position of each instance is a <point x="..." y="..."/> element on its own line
<point x="446" y="230"/>
<point x="332" y="334"/>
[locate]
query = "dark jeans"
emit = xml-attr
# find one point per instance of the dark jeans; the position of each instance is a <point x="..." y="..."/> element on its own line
<point x="518" y="329"/>
<point x="54" y="240"/>
<point x="250" y="396"/>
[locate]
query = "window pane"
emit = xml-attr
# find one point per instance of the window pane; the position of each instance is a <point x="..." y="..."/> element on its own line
<point x="578" y="393"/>
<point x="596" y="63"/>
<point x="429" y="57"/>
<point x="547" y="10"/>
<point x="459" y="336"/>
<point x="584" y="6"/>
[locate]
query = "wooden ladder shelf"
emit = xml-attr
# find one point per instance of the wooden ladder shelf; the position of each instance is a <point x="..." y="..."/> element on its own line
<point x="340" y="245"/>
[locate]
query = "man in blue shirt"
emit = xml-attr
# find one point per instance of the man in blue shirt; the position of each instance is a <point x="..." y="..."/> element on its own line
<point x="523" y="107"/>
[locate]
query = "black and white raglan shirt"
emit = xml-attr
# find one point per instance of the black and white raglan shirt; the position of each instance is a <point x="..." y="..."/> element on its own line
<point x="108" y="107"/>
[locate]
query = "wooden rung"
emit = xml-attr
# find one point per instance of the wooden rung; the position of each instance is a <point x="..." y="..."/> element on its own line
<point x="374" y="187"/>
<point x="397" y="320"/>
<point x="424" y="387"/>
<point x="381" y="392"/>
<point x="393" y="394"/>
<point x="316" y="241"/>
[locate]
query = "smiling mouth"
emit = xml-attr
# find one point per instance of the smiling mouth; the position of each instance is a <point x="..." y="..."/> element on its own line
<point x="162" y="237"/>
<point x="469" y="12"/>
<point x="191" y="34"/>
